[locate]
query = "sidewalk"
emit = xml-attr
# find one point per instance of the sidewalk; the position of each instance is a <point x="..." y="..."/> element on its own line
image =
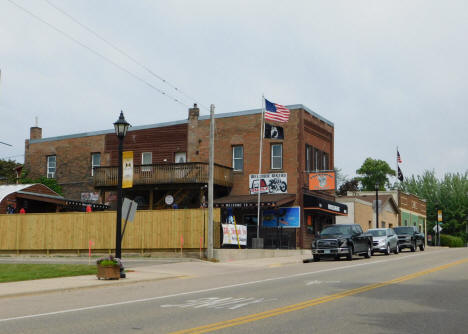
<point x="140" y="274"/>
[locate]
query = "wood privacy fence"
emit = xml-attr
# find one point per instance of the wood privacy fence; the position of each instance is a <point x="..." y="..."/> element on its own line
<point x="150" y="230"/>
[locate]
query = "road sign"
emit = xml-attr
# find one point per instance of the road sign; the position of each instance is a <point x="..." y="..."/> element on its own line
<point x="128" y="209"/>
<point x="437" y="226"/>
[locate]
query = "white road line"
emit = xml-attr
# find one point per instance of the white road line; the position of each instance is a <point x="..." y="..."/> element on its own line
<point x="211" y="289"/>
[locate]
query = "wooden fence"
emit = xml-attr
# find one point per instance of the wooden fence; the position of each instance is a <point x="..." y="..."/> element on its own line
<point x="151" y="230"/>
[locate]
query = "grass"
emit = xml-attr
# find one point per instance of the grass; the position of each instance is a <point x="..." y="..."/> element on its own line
<point x="25" y="272"/>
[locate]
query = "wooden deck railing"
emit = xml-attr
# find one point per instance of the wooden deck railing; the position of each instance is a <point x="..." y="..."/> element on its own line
<point x="192" y="172"/>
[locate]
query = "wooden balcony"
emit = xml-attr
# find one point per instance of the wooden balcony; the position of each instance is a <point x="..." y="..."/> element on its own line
<point x="192" y="172"/>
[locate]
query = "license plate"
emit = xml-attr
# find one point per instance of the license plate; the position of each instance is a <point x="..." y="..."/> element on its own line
<point x="326" y="251"/>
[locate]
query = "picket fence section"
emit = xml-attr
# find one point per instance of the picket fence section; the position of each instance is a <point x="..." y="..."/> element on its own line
<point x="151" y="230"/>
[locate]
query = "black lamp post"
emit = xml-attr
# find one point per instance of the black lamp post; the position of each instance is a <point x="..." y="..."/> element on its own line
<point x="376" y="205"/>
<point x="121" y="127"/>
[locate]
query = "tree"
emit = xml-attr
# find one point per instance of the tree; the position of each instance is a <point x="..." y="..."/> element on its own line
<point x="449" y="194"/>
<point x="51" y="183"/>
<point x="374" y="172"/>
<point x="7" y="171"/>
<point x="349" y="185"/>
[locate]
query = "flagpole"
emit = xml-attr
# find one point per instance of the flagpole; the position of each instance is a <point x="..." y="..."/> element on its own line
<point x="260" y="165"/>
<point x="397" y="164"/>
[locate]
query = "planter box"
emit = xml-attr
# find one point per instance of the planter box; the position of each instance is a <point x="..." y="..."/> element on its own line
<point x="108" y="272"/>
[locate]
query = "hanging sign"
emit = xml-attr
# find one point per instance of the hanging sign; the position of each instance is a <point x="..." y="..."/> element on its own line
<point x="439" y="215"/>
<point x="322" y="180"/>
<point x="230" y="236"/>
<point x="275" y="183"/>
<point x="127" y="175"/>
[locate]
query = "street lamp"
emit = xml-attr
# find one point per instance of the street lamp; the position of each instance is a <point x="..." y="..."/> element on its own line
<point x="376" y="205"/>
<point x="121" y="127"/>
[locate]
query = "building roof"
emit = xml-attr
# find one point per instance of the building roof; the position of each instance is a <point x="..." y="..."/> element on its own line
<point x="164" y="124"/>
<point x="8" y="189"/>
<point x="383" y="198"/>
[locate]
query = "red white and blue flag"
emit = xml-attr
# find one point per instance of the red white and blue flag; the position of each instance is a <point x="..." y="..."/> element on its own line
<point x="276" y="112"/>
<point x="398" y="159"/>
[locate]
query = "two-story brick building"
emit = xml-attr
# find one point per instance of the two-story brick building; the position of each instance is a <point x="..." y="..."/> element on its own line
<point x="171" y="162"/>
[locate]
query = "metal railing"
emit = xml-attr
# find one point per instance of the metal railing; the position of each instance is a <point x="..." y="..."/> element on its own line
<point x="191" y="172"/>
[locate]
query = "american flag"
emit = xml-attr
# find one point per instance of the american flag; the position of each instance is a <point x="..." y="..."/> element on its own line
<point x="398" y="159"/>
<point x="276" y="112"/>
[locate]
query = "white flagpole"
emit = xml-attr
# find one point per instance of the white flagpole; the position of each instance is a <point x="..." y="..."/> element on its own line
<point x="397" y="164"/>
<point x="260" y="166"/>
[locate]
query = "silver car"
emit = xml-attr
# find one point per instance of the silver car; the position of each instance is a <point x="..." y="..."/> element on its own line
<point x="385" y="240"/>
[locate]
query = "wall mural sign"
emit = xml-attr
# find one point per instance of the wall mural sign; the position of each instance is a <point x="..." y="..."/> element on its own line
<point x="288" y="217"/>
<point x="322" y="180"/>
<point x="274" y="183"/>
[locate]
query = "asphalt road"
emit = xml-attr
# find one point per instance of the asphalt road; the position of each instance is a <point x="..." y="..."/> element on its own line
<point x="422" y="292"/>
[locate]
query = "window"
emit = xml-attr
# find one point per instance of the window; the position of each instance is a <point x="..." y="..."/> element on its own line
<point x="95" y="161"/>
<point x="146" y="159"/>
<point x="276" y="156"/>
<point x="180" y="157"/>
<point x="51" y="166"/>
<point x="309" y="154"/>
<point x="238" y="158"/>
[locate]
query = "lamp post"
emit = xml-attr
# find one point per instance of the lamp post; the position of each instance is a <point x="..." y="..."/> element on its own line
<point x="121" y="127"/>
<point x="376" y="205"/>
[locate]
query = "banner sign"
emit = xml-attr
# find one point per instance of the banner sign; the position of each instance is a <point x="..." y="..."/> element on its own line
<point x="282" y="217"/>
<point x="230" y="236"/>
<point x="276" y="183"/>
<point x="322" y="180"/>
<point x="439" y="215"/>
<point x="127" y="163"/>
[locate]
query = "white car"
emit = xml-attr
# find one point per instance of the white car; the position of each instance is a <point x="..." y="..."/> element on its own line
<point x="385" y="240"/>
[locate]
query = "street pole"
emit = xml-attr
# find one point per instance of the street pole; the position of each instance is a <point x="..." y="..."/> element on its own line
<point x="118" y="231"/>
<point x="376" y="205"/>
<point x="210" y="184"/>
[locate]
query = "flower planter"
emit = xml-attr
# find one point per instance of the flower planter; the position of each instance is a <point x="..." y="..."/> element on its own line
<point x="108" y="272"/>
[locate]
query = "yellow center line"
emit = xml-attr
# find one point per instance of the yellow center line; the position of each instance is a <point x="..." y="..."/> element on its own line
<point x="311" y="302"/>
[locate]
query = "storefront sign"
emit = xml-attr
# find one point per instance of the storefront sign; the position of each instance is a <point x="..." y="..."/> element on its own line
<point x="322" y="180"/>
<point x="230" y="236"/>
<point x="275" y="183"/>
<point x="282" y="217"/>
<point x="127" y="175"/>
<point x="89" y="197"/>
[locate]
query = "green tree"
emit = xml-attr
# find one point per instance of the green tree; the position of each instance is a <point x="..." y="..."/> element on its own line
<point x="374" y="172"/>
<point x="449" y="194"/>
<point x="51" y="183"/>
<point x="7" y="171"/>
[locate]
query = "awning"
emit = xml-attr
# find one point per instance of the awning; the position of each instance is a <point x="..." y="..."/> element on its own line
<point x="245" y="201"/>
<point x="59" y="200"/>
<point x="323" y="205"/>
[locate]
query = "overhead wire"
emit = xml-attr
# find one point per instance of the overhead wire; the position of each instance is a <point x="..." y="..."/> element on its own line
<point x="99" y="54"/>
<point x="112" y="45"/>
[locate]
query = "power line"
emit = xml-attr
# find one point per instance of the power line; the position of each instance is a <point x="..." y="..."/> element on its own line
<point x="99" y="55"/>
<point x="123" y="53"/>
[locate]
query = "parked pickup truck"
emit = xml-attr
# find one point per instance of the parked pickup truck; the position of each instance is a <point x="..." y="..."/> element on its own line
<point x="342" y="240"/>
<point x="409" y="237"/>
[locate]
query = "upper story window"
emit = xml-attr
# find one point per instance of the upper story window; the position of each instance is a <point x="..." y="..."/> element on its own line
<point x="316" y="159"/>
<point x="276" y="156"/>
<point x="95" y="161"/>
<point x="180" y="157"/>
<point x="146" y="159"/>
<point x="238" y="158"/>
<point x="51" y="166"/>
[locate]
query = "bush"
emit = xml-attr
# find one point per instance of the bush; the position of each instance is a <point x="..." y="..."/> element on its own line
<point x="451" y="241"/>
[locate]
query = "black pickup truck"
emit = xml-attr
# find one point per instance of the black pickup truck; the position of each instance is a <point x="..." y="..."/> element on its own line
<point x="409" y="237"/>
<point x="342" y="240"/>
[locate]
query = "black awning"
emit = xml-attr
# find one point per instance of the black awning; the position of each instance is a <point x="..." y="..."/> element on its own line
<point x="245" y="201"/>
<point x="324" y="205"/>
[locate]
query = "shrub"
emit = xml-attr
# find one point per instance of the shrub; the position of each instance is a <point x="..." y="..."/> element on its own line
<point x="451" y="241"/>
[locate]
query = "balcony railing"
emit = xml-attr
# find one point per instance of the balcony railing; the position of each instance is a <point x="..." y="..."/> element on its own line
<point x="192" y="172"/>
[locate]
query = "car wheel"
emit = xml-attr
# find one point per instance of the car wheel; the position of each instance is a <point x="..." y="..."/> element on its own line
<point x="397" y="249"/>
<point x="413" y="246"/>
<point x="368" y="254"/>
<point x="387" y="251"/>
<point x="349" y="256"/>
<point x="421" y="247"/>
<point x="316" y="258"/>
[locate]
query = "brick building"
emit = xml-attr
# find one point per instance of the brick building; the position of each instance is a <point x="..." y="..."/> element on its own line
<point x="171" y="166"/>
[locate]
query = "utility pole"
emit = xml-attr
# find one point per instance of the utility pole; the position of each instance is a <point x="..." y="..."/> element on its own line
<point x="210" y="184"/>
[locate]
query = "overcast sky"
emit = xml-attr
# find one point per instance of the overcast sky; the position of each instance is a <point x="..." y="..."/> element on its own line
<point x="386" y="73"/>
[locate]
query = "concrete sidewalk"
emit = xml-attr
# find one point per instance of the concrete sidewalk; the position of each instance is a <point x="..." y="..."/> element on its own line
<point x="141" y="274"/>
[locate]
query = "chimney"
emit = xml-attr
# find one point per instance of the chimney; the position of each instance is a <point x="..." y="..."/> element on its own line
<point x="194" y="112"/>
<point x="35" y="132"/>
